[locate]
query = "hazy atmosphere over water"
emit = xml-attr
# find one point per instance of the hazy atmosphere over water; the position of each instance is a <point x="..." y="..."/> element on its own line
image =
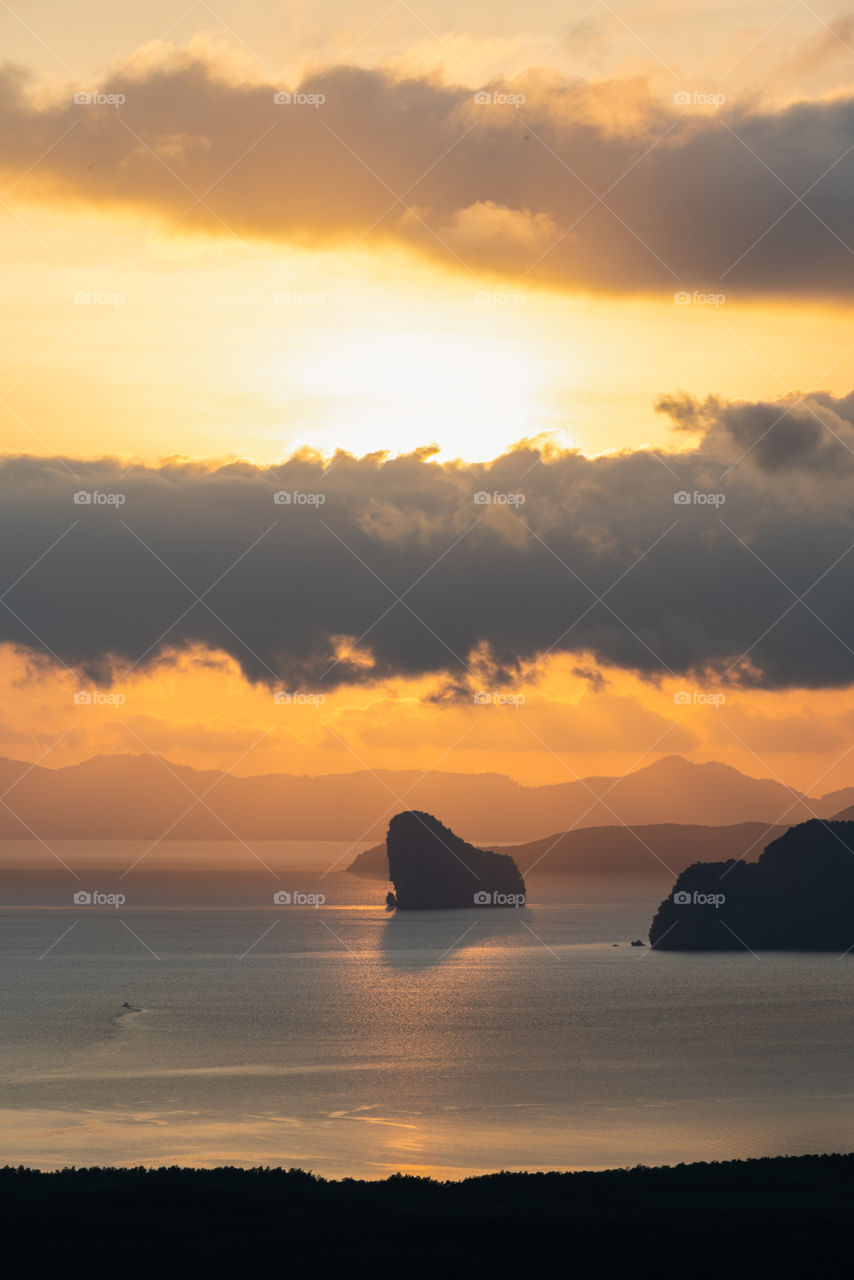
<point x="354" y="1043"/>
<point x="426" y="610"/>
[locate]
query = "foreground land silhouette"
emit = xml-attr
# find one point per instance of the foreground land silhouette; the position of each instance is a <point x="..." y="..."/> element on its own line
<point x="757" y="1218"/>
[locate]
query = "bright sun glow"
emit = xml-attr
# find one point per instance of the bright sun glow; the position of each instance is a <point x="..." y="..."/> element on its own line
<point x="472" y="396"/>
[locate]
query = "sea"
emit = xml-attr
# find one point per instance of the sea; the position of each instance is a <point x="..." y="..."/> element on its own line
<point x="258" y="1005"/>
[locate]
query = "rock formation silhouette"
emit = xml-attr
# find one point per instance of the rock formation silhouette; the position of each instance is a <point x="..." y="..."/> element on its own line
<point x="798" y="896"/>
<point x="432" y="868"/>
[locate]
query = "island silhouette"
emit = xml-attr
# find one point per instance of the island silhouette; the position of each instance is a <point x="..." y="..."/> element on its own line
<point x="431" y="868"/>
<point x="799" y="895"/>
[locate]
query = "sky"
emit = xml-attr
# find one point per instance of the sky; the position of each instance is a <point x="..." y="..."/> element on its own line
<point x="462" y="388"/>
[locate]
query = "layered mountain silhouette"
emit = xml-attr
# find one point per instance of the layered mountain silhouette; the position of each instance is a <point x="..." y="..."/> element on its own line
<point x="658" y="847"/>
<point x="431" y="868"/>
<point x="799" y="895"/>
<point x="141" y="796"/>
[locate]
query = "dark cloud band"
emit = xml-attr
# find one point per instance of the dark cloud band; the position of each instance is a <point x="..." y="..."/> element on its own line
<point x="735" y="556"/>
<point x="734" y="200"/>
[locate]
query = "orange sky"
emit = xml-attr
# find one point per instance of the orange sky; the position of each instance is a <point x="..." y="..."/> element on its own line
<point x="134" y="331"/>
<point x="551" y="728"/>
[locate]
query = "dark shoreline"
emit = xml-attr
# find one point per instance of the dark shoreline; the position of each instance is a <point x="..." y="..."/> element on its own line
<point x="746" y="1218"/>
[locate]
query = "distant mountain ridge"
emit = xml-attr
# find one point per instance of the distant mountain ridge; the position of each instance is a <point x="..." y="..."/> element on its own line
<point x="658" y="847"/>
<point x="144" y="796"/>
<point x="844" y="815"/>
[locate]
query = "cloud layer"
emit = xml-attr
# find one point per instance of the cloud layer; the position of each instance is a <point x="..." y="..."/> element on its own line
<point x="569" y="188"/>
<point x="733" y="557"/>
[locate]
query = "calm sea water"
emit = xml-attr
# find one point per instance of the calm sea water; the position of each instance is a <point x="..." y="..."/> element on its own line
<point x="352" y="1042"/>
